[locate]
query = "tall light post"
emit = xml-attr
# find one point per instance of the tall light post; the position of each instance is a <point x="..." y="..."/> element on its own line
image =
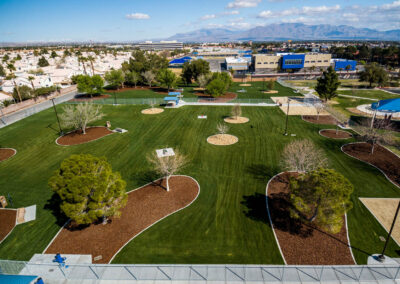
<point x="381" y="257"/>
<point x="287" y="117"/>
<point x="58" y="120"/>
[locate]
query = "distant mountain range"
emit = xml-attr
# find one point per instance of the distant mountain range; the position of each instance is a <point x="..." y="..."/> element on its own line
<point x="279" y="32"/>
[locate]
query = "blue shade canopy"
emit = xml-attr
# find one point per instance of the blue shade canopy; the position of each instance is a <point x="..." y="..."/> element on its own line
<point x="180" y="60"/>
<point x="391" y="105"/>
<point x="16" y="279"/>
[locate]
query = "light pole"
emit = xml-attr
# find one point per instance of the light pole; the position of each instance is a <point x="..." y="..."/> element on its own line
<point x="287" y="117"/>
<point x="381" y="257"/>
<point x="58" y="120"/>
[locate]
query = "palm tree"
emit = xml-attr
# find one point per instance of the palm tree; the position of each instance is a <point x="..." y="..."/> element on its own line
<point x="91" y="60"/>
<point x="31" y="78"/>
<point x="12" y="76"/>
<point x="82" y="60"/>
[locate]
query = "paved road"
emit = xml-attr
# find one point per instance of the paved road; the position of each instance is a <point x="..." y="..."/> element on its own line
<point x="21" y="114"/>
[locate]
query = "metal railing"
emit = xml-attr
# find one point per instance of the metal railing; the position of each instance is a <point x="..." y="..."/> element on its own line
<point x="159" y="101"/>
<point x="208" y="273"/>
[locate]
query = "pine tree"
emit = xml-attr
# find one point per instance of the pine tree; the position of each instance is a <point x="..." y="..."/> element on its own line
<point x="322" y="197"/>
<point x="327" y="84"/>
<point x="89" y="189"/>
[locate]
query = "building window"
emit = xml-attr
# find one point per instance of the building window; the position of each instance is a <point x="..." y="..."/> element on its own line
<point x="312" y="61"/>
<point x="271" y="63"/>
<point x="258" y="62"/>
<point x="293" y="61"/>
<point x="307" y="61"/>
<point x="319" y="61"/>
<point x="325" y="60"/>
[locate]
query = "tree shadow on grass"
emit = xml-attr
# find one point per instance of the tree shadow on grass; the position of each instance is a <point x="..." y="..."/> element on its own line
<point x="262" y="172"/>
<point x="53" y="205"/>
<point x="145" y="177"/>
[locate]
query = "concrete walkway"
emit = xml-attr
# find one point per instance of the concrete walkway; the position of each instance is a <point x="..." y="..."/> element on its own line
<point x="182" y="103"/>
<point x="356" y="97"/>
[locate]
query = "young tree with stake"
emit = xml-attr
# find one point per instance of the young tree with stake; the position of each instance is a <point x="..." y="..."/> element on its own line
<point x="167" y="166"/>
<point x="236" y="111"/>
<point x="80" y="116"/>
<point x="302" y="156"/>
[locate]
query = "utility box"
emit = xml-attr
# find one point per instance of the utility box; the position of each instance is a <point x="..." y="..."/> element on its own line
<point x="3" y="202"/>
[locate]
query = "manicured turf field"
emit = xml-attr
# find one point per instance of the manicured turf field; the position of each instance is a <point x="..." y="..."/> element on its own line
<point x="226" y="224"/>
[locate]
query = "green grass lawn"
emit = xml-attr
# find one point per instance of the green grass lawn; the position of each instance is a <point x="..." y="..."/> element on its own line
<point x="255" y="91"/>
<point x="370" y="94"/>
<point x="227" y="223"/>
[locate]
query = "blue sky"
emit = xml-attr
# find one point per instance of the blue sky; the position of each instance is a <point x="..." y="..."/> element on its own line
<point x="125" y="20"/>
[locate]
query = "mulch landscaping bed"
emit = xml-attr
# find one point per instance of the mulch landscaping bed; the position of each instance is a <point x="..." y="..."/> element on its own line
<point x="303" y="244"/>
<point x="6" y="153"/>
<point x="204" y="98"/>
<point x="332" y="133"/>
<point x="382" y="158"/>
<point x="323" y="119"/>
<point x="145" y="206"/>
<point x="85" y="98"/>
<point x="7" y="222"/>
<point x="155" y="89"/>
<point x="76" y="137"/>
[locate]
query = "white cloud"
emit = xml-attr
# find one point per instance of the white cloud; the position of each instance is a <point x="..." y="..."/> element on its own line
<point x="137" y="16"/>
<point x="208" y="17"/>
<point x="243" y="4"/>
<point x="304" y="11"/>
<point x="233" y="12"/>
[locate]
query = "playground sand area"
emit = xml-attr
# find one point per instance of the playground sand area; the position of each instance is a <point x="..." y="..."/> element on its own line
<point x="384" y="209"/>
<point x="152" y="111"/>
<point x="222" y="139"/>
<point x="297" y="106"/>
<point x="236" y="120"/>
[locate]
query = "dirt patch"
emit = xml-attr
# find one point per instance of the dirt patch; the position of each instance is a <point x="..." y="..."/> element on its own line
<point x="382" y="158"/>
<point x="271" y="92"/>
<point x="222" y="139"/>
<point x="145" y="206"/>
<point x="152" y="111"/>
<point x="335" y="134"/>
<point x="245" y="85"/>
<point x="76" y="137"/>
<point x="84" y="98"/>
<point x="236" y="120"/>
<point x="323" y="119"/>
<point x="6" y="153"/>
<point x="384" y="209"/>
<point x="204" y="98"/>
<point x="303" y="244"/>
<point x="7" y="222"/>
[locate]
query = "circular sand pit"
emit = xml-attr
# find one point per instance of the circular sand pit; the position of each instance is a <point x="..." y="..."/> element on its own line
<point x="335" y="134"/>
<point x="76" y="137"/>
<point x="222" y="139"/>
<point x="236" y="120"/>
<point x="6" y="153"/>
<point x="270" y="92"/>
<point x="152" y="111"/>
<point x="245" y="85"/>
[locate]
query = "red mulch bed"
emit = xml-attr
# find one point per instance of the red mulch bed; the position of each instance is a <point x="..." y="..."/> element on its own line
<point x="204" y="98"/>
<point x="303" y="244"/>
<point x="6" y="153"/>
<point x="332" y="133"/>
<point x="76" y="137"/>
<point x="155" y="89"/>
<point x="323" y="119"/>
<point x="145" y="206"/>
<point x="7" y="222"/>
<point x="88" y="98"/>
<point x="382" y="158"/>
